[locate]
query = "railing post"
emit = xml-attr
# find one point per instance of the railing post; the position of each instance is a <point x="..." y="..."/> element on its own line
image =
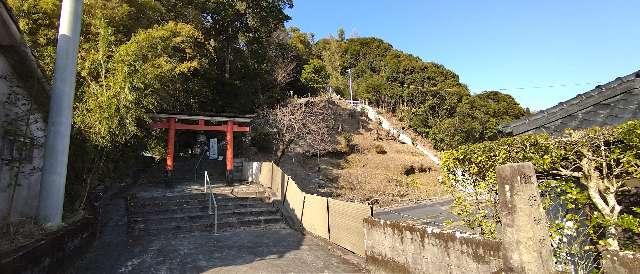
<point x="206" y="177"/>
<point x="212" y="199"/>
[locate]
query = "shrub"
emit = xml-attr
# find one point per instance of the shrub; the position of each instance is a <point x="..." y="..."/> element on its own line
<point x="261" y="139"/>
<point x="408" y="170"/>
<point x="379" y="148"/>
<point x="413" y="182"/>
<point x="345" y="143"/>
<point x="421" y="168"/>
<point x="585" y="168"/>
<point x="469" y="173"/>
<point x="413" y="169"/>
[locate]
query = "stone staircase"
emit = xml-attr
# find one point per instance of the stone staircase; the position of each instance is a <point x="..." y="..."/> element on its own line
<point x="187" y="210"/>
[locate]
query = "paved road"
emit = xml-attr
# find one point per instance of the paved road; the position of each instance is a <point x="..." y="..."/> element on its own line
<point x="430" y="213"/>
<point x="267" y="251"/>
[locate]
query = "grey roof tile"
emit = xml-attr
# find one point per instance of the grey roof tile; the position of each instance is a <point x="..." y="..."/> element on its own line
<point x="605" y="105"/>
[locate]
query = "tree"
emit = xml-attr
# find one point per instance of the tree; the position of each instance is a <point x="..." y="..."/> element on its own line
<point x="427" y="96"/>
<point x="144" y="76"/>
<point x="38" y="22"/>
<point x="603" y="159"/>
<point x="314" y="75"/>
<point x="140" y="56"/>
<point x="583" y="170"/>
<point x="302" y="43"/>
<point x="475" y="119"/>
<point x="307" y="126"/>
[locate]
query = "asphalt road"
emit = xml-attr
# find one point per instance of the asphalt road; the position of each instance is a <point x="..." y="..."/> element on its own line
<point x="430" y="213"/>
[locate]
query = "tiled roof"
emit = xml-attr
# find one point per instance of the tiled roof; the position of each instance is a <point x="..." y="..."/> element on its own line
<point x="606" y="105"/>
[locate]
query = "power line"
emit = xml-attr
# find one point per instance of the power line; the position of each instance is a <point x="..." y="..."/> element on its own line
<point x="565" y="85"/>
<point x="517" y="89"/>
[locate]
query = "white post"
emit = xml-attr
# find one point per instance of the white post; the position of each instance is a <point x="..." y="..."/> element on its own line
<point x="54" y="170"/>
<point x="350" y="90"/>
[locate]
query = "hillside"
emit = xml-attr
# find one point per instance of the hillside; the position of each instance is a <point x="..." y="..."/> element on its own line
<point x="377" y="167"/>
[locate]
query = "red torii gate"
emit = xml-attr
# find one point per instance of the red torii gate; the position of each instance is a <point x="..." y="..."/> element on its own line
<point x="229" y="126"/>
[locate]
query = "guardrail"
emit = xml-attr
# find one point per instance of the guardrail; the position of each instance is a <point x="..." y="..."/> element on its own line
<point x="213" y="205"/>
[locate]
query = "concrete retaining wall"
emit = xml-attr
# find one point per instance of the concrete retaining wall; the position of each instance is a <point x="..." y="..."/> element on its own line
<point x="614" y="262"/>
<point x="52" y="253"/>
<point x="399" y="247"/>
<point x="395" y="247"/>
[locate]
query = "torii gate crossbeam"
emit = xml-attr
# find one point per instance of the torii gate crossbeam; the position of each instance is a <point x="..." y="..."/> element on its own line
<point x="229" y="126"/>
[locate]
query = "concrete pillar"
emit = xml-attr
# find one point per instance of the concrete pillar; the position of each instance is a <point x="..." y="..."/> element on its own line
<point x="54" y="170"/>
<point x="525" y="231"/>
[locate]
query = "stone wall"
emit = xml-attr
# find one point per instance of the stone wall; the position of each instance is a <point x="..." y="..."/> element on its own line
<point x="396" y="247"/>
<point x="614" y="262"/>
<point x="524" y="245"/>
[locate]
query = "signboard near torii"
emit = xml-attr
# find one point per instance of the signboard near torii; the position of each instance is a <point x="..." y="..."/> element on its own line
<point x="227" y="124"/>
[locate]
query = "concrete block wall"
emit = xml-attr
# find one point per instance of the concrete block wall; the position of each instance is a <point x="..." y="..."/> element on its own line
<point x="396" y="247"/>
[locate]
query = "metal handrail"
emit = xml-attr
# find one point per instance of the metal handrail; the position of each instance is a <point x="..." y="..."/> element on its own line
<point x="195" y="171"/>
<point x="212" y="202"/>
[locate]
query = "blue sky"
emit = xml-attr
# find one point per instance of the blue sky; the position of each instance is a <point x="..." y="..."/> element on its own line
<point x="542" y="52"/>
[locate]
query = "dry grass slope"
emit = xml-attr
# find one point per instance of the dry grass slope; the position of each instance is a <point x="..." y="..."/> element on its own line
<point x="367" y="166"/>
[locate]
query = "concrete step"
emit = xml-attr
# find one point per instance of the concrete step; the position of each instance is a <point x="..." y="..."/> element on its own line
<point x="203" y="216"/>
<point x="169" y="197"/>
<point x="227" y="224"/>
<point x="184" y="200"/>
<point x="200" y="207"/>
<point x="238" y="193"/>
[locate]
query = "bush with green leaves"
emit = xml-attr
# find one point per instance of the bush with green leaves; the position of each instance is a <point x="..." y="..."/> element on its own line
<point x="470" y="173"/>
<point x="584" y="170"/>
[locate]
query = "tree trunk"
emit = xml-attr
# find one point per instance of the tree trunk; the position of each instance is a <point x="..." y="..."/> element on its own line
<point x="97" y="165"/>
<point x="283" y="149"/>
<point x="607" y="205"/>
<point x="14" y="188"/>
<point x="612" y="238"/>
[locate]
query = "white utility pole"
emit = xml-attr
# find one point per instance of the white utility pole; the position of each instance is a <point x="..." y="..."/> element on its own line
<point x="350" y="90"/>
<point x="54" y="170"/>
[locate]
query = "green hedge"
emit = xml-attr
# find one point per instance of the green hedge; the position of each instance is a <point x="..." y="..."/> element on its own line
<point x="567" y="165"/>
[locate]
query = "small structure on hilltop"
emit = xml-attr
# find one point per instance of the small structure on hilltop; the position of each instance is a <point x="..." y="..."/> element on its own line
<point x="607" y="105"/>
<point x="215" y="123"/>
<point x="24" y="103"/>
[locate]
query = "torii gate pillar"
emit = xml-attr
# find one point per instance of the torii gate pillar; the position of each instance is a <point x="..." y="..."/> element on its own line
<point x="229" y="132"/>
<point x="171" y="141"/>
